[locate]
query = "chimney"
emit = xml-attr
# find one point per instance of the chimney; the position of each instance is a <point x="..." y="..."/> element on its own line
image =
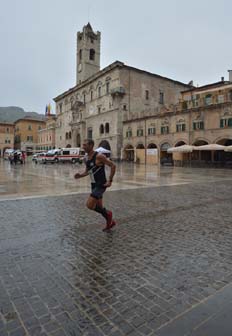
<point x="222" y="79"/>
<point x="230" y="75"/>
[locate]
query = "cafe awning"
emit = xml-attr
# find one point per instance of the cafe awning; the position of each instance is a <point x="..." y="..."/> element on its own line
<point x="228" y="149"/>
<point x="102" y="150"/>
<point x="181" y="149"/>
<point x="210" y="147"/>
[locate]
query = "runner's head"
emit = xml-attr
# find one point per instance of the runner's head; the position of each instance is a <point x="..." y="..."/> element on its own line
<point x="88" y="145"/>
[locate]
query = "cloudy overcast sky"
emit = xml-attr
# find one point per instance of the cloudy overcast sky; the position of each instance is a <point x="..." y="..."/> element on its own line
<point x="180" y="39"/>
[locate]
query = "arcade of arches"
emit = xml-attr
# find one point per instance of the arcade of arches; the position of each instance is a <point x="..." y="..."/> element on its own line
<point x="154" y="153"/>
<point x="140" y="155"/>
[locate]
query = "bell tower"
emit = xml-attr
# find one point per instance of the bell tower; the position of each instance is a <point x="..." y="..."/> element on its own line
<point x="88" y="53"/>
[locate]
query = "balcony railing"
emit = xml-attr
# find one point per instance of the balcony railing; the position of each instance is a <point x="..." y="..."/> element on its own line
<point x="118" y="91"/>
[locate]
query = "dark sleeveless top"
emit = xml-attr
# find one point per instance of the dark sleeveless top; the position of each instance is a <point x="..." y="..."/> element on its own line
<point x="97" y="173"/>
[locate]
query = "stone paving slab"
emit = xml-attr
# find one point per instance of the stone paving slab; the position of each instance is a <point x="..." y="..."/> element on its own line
<point x="210" y="318"/>
<point x="61" y="275"/>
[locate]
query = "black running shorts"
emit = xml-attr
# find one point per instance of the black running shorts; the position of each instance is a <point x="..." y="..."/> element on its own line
<point x="97" y="191"/>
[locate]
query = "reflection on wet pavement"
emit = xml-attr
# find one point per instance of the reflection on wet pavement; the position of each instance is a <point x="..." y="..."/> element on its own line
<point x="60" y="275"/>
<point x="57" y="179"/>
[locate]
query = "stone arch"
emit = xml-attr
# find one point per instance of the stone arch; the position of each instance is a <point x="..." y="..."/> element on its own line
<point x="224" y="141"/>
<point x="140" y="146"/>
<point x="152" y="145"/>
<point x="164" y="146"/>
<point x="180" y="143"/>
<point x="129" y="153"/>
<point x="200" y="142"/>
<point x="105" y="144"/>
<point x="164" y="155"/>
<point x="198" y="155"/>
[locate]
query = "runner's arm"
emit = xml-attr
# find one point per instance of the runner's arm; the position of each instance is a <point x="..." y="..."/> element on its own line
<point x="80" y="175"/>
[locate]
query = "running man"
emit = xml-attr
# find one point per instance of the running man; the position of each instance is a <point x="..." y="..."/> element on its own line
<point x="95" y="167"/>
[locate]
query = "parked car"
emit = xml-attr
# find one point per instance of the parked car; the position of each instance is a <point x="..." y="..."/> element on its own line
<point x="36" y="157"/>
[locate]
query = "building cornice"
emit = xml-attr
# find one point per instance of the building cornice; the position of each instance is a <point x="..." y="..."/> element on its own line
<point x="179" y="112"/>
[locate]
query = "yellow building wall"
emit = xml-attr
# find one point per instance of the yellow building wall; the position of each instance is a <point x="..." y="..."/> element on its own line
<point x="6" y="137"/>
<point x="22" y="129"/>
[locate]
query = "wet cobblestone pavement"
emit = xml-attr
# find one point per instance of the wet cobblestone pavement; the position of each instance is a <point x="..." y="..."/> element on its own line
<point x="61" y="275"/>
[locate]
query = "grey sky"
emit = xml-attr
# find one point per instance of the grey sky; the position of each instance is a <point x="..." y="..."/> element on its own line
<point x="180" y="39"/>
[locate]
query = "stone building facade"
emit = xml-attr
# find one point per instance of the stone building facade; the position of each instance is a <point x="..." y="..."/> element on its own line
<point x="103" y="99"/>
<point x="203" y="115"/>
<point x="47" y="135"/>
<point x="26" y="133"/>
<point x="6" y="136"/>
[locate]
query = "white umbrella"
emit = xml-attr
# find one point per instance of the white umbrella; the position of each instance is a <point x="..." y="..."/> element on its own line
<point x="102" y="150"/>
<point x="181" y="149"/>
<point x="228" y="149"/>
<point x="209" y="147"/>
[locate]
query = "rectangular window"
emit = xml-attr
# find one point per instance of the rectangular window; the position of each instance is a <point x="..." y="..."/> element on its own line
<point x="129" y="134"/>
<point x="208" y="100"/>
<point x="29" y="127"/>
<point x="151" y="130"/>
<point x="107" y="88"/>
<point x="99" y="109"/>
<point x="140" y="132"/>
<point x="220" y="99"/>
<point x="84" y="98"/>
<point x="198" y="125"/>
<point x="90" y="133"/>
<point x="164" y="130"/>
<point x="226" y="123"/>
<point x="180" y="127"/>
<point x="91" y="95"/>
<point x="147" y="95"/>
<point x="7" y="130"/>
<point x="161" y="97"/>
<point x="60" y="107"/>
<point x="99" y="91"/>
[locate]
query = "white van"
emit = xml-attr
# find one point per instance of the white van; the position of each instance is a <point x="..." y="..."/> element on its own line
<point x="52" y="156"/>
<point x="71" y="155"/>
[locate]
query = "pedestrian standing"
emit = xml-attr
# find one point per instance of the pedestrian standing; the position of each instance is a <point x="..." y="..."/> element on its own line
<point x="95" y="167"/>
<point x="23" y="157"/>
